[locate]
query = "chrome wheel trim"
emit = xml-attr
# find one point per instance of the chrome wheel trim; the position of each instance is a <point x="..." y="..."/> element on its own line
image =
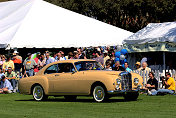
<point x="38" y="93"/>
<point x="99" y="94"/>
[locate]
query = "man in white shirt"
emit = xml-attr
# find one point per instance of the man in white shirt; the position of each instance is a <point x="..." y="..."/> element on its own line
<point x="62" y="56"/>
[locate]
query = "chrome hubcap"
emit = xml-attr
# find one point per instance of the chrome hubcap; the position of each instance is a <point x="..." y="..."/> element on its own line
<point x="38" y="93"/>
<point x="99" y="93"/>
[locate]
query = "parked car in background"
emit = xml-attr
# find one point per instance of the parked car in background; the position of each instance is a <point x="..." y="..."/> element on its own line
<point x="72" y="78"/>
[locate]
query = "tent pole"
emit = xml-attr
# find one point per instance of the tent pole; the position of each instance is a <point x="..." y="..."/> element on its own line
<point x="164" y="62"/>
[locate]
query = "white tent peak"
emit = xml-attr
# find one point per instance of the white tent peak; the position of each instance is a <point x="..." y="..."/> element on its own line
<point x="154" y="32"/>
<point x="36" y="23"/>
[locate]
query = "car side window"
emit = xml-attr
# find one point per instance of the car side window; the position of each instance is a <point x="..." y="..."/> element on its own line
<point x="51" y="69"/>
<point x="65" y="67"/>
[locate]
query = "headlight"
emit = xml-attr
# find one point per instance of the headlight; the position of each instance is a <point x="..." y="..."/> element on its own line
<point x="118" y="81"/>
<point x="117" y="87"/>
<point x="136" y="81"/>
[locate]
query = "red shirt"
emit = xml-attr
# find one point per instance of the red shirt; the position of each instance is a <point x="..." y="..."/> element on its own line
<point x="36" y="68"/>
<point x="17" y="61"/>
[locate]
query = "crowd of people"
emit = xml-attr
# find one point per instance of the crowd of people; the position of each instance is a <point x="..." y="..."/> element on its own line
<point x="14" y="66"/>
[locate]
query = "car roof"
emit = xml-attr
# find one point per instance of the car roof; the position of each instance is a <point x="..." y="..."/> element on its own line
<point x="64" y="61"/>
<point x="70" y="61"/>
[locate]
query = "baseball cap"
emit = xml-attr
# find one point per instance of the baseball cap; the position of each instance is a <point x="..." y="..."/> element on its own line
<point x="138" y="63"/>
<point x="38" y="53"/>
<point x="29" y="54"/>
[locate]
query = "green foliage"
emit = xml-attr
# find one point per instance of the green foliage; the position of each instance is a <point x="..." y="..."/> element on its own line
<point x="131" y="15"/>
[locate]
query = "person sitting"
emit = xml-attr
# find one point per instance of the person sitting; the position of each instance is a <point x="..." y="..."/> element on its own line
<point x="6" y="86"/>
<point x="117" y="67"/>
<point x="127" y="69"/>
<point x="169" y="86"/>
<point x="152" y="83"/>
<point x="11" y="77"/>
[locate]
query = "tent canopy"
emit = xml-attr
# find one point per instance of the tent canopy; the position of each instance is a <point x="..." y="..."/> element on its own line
<point x="154" y="37"/>
<point x="36" y="23"/>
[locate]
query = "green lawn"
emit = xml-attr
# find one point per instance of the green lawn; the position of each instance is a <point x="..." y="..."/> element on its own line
<point x="20" y="106"/>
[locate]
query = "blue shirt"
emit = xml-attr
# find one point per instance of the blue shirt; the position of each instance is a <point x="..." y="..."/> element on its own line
<point x="50" y="60"/>
<point x="128" y="70"/>
<point x="6" y="84"/>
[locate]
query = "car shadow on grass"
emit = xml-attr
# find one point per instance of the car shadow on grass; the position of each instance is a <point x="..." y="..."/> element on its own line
<point x="78" y="100"/>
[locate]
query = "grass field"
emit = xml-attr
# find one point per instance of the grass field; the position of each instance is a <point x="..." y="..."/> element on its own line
<point x="23" y="106"/>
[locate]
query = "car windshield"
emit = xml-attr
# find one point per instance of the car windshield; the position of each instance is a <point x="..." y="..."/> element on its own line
<point x="88" y="65"/>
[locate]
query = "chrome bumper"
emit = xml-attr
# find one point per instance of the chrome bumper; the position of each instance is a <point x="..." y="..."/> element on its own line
<point x="114" y="92"/>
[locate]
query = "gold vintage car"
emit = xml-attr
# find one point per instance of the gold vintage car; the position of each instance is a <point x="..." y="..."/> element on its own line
<point x="72" y="78"/>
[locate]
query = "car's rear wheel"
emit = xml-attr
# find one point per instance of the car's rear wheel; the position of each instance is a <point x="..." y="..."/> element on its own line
<point x="38" y="93"/>
<point x="70" y="97"/>
<point x="131" y="96"/>
<point x="99" y="93"/>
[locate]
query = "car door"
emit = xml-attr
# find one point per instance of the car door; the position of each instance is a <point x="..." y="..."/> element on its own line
<point x="85" y="78"/>
<point x="63" y="82"/>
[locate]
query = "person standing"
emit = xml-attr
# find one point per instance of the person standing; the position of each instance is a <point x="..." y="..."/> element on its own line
<point x="108" y="66"/>
<point x="39" y="63"/>
<point x="127" y="69"/>
<point x="70" y="55"/>
<point x="76" y="55"/>
<point x="2" y="60"/>
<point x="137" y="65"/>
<point x="18" y="64"/>
<point x="17" y="55"/>
<point x="48" y="59"/>
<point x="29" y="65"/>
<point x="8" y="63"/>
<point x="43" y="60"/>
<point x="118" y="67"/>
<point x="99" y="58"/>
<point x="1" y="73"/>
<point x="145" y="70"/>
<point x="106" y="57"/>
<point x="62" y="56"/>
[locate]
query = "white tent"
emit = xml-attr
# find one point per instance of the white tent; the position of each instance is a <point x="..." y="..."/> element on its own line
<point x="154" y="37"/>
<point x="36" y="23"/>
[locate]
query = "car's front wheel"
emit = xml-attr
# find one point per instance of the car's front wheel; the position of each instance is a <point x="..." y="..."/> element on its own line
<point x="131" y="96"/>
<point x="99" y="93"/>
<point x="38" y="93"/>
